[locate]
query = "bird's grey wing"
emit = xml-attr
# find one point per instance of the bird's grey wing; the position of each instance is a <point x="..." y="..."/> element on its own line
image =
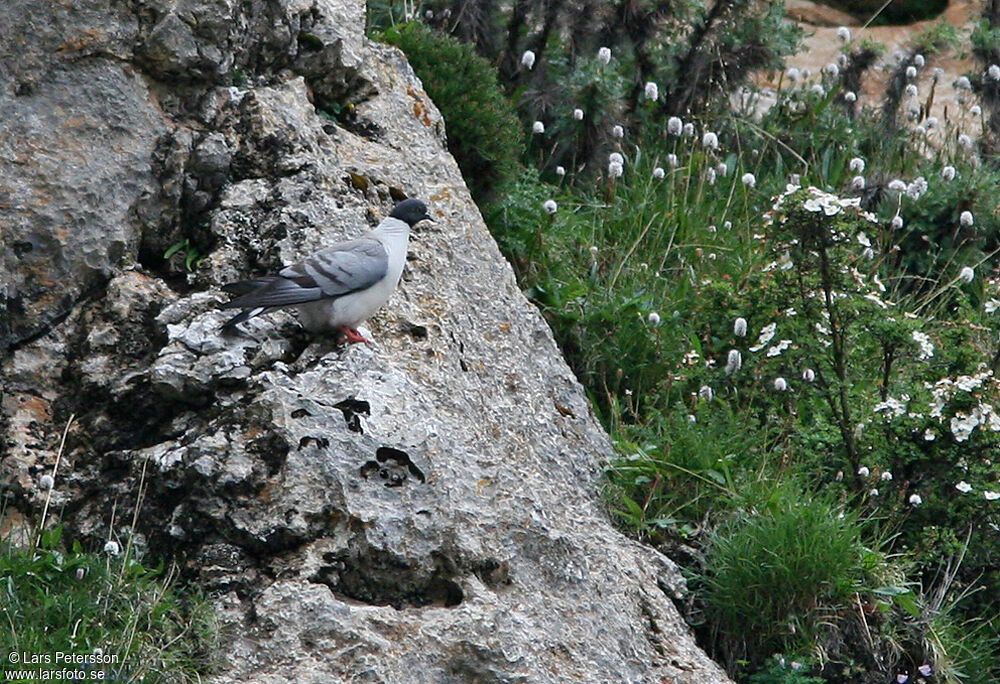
<point x="341" y="268"/>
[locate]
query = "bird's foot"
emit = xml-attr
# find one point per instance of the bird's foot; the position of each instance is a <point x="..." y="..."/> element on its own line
<point x="353" y="336"/>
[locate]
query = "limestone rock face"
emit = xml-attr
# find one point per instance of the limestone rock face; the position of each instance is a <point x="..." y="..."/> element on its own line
<point x="424" y="510"/>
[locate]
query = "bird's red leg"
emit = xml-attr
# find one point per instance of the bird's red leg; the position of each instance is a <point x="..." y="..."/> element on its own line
<point x="353" y="336"/>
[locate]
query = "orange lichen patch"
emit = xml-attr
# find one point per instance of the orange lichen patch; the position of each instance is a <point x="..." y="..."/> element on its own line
<point x="420" y="108"/>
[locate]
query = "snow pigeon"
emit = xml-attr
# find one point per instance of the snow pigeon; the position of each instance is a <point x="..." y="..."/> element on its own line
<point x="338" y="287"/>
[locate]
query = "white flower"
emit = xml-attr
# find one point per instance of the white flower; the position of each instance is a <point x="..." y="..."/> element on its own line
<point x="675" y="125"/>
<point x="991" y="496"/>
<point x="962" y="83"/>
<point x="740" y="327"/>
<point x="766" y="333"/>
<point x="863" y="471"/>
<point x="911" y="90"/>
<point x="710" y="140"/>
<point x="850" y="96"/>
<point x="537" y="127"/>
<point x="919" y="61"/>
<point x="966" y="274"/>
<point x="964" y="487"/>
<point x="653" y="318"/>
<point x="897" y="186"/>
<point x="778" y="348"/>
<point x="948" y="173"/>
<point x="808" y="375"/>
<point x="749" y="180"/>
<point x="911" y="73"/>
<point x="926" y="346"/>
<point x="578" y="114"/>
<point x="112" y="548"/>
<point x="929" y="435"/>
<point x="886" y="475"/>
<point x="975" y="110"/>
<point x="710" y="176"/>
<point x="528" y="59"/>
<point x="651" y="91"/>
<point x="46" y="481"/>
<point x="873" y="492"/>
<point x="993" y="72"/>
<point x="915" y="499"/>
<point x="818" y="89"/>
<point x="659" y="173"/>
<point x="962" y="425"/>
<point x="856" y="165"/>
<point x="604" y="55"/>
<point x="722" y="168"/>
<point x="706" y="393"/>
<point x="932" y="122"/>
<point x="560" y="171"/>
<point x="672" y="161"/>
<point x="844" y="34"/>
<point x="734" y="361"/>
<point x="615" y="170"/>
<point x="793" y="74"/>
<point x="688" y="130"/>
<point x="917" y="188"/>
<point x="832" y="69"/>
<point x="550" y="206"/>
<point x="897" y="222"/>
<point x="965" y="218"/>
<point x="616" y="158"/>
<point x="780" y="384"/>
<point x="858" y="183"/>
<point x="991" y="305"/>
<point x="964" y="140"/>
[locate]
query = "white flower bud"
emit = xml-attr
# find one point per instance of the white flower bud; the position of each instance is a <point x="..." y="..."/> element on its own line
<point x="948" y="173"/>
<point x="112" y="548"/>
<point x="734" y="361"/>
<point x="749" y="180"/>
<point x="651" y="91"/>
<point x="706" y="393"/>
<point x="740" y="327"/>
<point x="850" y="96"/>
<point x="617" y="132"/>
<point x="809" y="375"/>
<point x="675" y="125"/>
<point x="653" y="318"/>
<point x="966" y="274"/>
<point x="550" y="206"/>
<point x="659" y="173"/>
<point x="538" y="127"/>
<point x="46" y="481"/>
<point x="604" y="55"/>
<point x="710" y="140"/>
<point x="965" y="218"/>
<point x="528" y="59"/>
<point x="578" y="114"/>
<point x="844" y="34"/>
<point x="863" y="471"/>
<point x="780" y="384"/>
<point x="672" y="161"/>
<point x="858" y="183"/>
<point x="560" y="171"/>
<point x="915" y="499"/>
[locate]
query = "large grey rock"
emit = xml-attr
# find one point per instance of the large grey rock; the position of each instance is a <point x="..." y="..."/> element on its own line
<point x="425" y="510"/>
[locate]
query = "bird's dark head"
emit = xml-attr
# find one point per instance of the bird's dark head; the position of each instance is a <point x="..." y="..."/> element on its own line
<point x="411" y="212"/>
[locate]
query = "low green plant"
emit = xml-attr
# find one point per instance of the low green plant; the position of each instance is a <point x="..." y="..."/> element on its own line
<point x="125" y="621"/>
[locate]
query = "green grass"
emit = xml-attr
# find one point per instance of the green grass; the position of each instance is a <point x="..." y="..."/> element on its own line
<point x="69" y="601"/>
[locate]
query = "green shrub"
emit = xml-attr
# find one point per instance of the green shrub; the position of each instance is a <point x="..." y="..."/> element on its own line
<point x="484" y="135"/>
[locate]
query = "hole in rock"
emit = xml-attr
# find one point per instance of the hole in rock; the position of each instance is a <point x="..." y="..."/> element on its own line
<point x="393" y="466"/>
<point x="377" y="577"/>
<point x="355" y="412"/>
